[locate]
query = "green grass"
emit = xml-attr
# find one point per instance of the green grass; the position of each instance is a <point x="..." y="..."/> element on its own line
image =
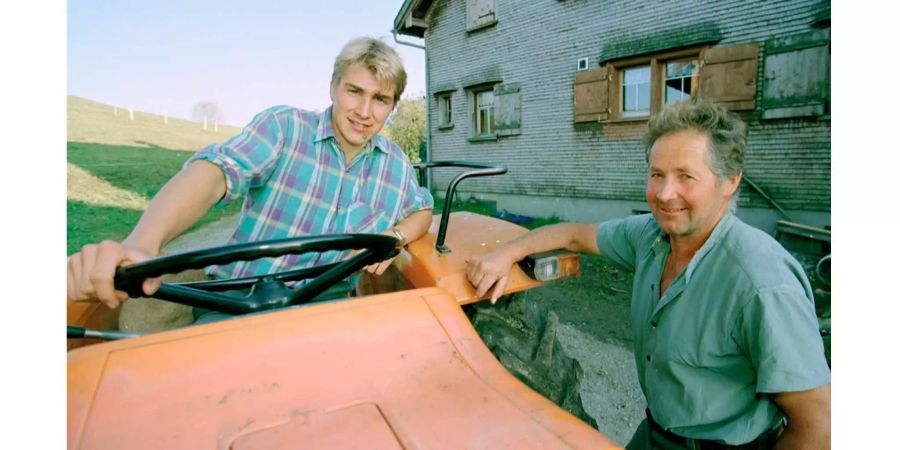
<point x="141" y="171"/>
<point x="117" y="165"/>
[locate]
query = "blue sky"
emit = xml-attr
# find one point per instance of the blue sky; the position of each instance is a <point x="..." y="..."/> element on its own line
<point x="165" y="56"/>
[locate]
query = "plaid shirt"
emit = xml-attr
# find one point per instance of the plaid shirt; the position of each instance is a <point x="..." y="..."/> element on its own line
<point x="296" y="182"/>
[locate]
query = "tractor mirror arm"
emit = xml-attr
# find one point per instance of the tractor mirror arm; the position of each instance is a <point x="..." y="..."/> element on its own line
<point x="481" y="170"/>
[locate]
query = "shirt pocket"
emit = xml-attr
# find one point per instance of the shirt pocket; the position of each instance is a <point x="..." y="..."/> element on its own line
<point x="362" y="218"/>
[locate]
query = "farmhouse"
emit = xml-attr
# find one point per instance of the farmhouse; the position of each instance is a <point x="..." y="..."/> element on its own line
<point x="560" y="91"/>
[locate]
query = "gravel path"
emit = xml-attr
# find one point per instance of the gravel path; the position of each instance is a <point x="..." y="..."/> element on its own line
<point x="610" y="391"/>
<point x="210" y="235"/>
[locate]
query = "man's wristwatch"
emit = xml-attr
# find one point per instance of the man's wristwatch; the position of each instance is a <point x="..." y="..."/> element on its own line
<point x="399" y="235"/>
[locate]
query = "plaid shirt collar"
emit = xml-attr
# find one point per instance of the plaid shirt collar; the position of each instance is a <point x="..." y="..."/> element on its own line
<point x="325" y="130"/>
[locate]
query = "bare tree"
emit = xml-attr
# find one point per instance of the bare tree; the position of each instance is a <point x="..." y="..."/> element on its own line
<point x="207" y="111"/>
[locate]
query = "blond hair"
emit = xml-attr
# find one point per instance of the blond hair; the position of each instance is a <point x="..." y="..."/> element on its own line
<point x="382" y="60"/>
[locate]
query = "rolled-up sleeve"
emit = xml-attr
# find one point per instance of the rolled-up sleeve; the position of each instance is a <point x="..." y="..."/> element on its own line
<point x="416" y="198"/>
<point x="248" y="158"/>
<point x="413" y="197"/>
<point x="779" y="332"/>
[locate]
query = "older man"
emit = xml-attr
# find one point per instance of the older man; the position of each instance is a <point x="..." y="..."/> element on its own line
<point x="725" y="335"/>
<point x="301" y="173"/>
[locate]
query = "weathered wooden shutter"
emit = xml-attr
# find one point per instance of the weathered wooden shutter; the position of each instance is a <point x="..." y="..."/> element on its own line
<point x="507" y="109"/>
<point x="728" y="75"/>
<point x="592" y="95"/>
<point x="480" y="12"/>
<point x="796" y="75"/>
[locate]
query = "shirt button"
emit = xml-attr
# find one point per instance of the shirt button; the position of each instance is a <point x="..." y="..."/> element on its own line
<point x="648" y="357"/>
<point x="653" y="324"/>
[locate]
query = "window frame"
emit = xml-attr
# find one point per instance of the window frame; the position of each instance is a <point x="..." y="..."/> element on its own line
<point x="621" y="88"/>
<point x="657" y="63"/>
<point x="694" y="76"/>
<point x="445" y="110"/>
<point x="474" y="109"/>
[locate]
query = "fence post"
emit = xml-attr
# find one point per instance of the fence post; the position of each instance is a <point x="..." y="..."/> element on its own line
<point x="115" y="111"/>
<point x="216" y="125"/>
<point x="204" y="123"/>
<point x="165" y="117"/>
<point x="131" y="113"/>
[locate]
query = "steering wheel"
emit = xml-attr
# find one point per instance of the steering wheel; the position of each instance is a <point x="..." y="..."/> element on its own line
<point x="266" y="291"/>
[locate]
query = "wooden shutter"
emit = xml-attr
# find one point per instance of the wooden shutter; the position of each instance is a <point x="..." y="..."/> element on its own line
<point x="728" y="75"/>
<point x="796" y="75"/>
<point x="480" y="12"/>
<point x="592" y="95"/>
<point x="507" y="109"/>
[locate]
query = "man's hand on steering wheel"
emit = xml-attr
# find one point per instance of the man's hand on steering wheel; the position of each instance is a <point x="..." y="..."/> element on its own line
<point x="379" y="267"/>
<point x="90" y="272"/>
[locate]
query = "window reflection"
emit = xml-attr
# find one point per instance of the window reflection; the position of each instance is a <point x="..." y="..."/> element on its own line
<point x="681" y="80"/>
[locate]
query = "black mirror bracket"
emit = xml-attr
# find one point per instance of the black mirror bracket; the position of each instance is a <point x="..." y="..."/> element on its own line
<point x="482" y="170"/>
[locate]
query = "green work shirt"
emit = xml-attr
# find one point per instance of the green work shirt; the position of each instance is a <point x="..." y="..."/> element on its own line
<point x="737" y="323"/>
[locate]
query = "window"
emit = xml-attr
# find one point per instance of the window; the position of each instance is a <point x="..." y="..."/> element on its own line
<point x="681" y="80"/>
<point x="495" y="110"/>
<point x="644" y="85"/>
<point x="483" y="113"/>
<point x="636" y="88"/>
<point x="635" y="91"/>
<point x="445" y="110"/>
<point x="480" y="14"/>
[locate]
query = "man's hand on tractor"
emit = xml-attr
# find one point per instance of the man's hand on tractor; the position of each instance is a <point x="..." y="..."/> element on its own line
<point x="91" y="272"/>
<point x="490" y="269"/>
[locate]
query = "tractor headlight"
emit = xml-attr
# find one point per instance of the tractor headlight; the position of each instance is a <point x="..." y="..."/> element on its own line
<point x="552" y="265"/>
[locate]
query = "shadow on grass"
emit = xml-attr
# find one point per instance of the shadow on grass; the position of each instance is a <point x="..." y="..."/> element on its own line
<point x="88" y="223"/>
<point x="142" y="170"/>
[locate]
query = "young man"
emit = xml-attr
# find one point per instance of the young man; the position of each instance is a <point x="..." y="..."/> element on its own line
<point x="300" y="173"/>
<point x="725" y="335"/>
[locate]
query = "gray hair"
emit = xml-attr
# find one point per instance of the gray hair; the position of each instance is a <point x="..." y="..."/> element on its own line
<point x="382" y="60"/>
<point x="727" y="134"/>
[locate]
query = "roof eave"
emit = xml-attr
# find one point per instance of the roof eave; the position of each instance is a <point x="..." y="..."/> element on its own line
<point x="410" y="20"/>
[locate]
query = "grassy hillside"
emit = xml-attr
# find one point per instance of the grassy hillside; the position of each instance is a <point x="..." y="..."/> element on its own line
<point x="90" y="121"/>
<point x="116" y="165"/>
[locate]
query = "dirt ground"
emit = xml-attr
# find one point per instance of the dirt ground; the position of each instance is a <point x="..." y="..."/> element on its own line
<point x="596" y="303"/>
<point x="594" y="330"/>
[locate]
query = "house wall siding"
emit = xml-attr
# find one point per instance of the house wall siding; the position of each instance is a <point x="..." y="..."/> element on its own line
<point x="537" y="44"/>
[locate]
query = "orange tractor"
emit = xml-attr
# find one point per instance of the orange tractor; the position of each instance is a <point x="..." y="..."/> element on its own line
<point x="398" y="365"/>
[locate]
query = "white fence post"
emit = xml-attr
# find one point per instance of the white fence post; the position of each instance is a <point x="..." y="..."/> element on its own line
<point x="131" y="113"/>
<point x="204" y="122"/>
<point x="216" y="125"/>
<point x="115" y="111"/>
<point x="166" y="117"/>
